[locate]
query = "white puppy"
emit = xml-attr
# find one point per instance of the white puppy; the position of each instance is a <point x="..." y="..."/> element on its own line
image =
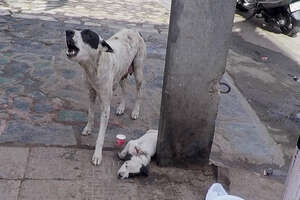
<point x="106" y="65"/>
<point x="137" y="154"/>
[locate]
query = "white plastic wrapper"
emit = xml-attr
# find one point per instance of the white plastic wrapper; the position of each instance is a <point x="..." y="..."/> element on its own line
<point x="217" y="192"/>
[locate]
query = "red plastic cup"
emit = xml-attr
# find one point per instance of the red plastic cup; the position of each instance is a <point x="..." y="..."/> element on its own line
<point x="120" y="140"/>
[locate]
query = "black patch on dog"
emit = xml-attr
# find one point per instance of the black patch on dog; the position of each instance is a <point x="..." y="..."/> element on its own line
<point x="128" y="157"/>
<point x="298" y="143"/>
<point x="109" y="49"/>
<point x="131" y="175"/>
<point x="70" y="43"/>
<point x="144" y="170"/>
<point x="69" y="34"/>
<point x="91" y="38"/>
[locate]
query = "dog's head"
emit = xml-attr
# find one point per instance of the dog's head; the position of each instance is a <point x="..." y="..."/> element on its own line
<point x="82" y="44"/>
<point x="132" y="167"/>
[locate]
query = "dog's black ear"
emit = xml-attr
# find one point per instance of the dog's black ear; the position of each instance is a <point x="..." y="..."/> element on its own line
<point x="144" y="170"/>
<point x="90" y="37"/>
<point x="127" y="157"/>
<point x="108" y="48"/>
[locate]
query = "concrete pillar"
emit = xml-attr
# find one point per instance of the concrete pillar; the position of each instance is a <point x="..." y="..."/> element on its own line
<point x="199" y="35"/>
<point x="292" y="190"/>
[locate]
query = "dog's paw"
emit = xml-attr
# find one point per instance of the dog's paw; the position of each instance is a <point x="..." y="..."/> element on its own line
<point x="135" y="114"/>
<point x="121" y="155"/>
<point x="86" y="131"/>
<point x="120" y="110"/>
<point x="97" y="158"/>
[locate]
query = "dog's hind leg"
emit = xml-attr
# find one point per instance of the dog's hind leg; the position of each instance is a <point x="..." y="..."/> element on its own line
<point x="138" y="64"/>
<point x="90" y="124"/>
<point x="121" y="107"/>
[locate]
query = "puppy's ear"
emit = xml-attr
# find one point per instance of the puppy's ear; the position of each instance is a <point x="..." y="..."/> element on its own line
<point x="127" y="157"/>
<point x="144" y="170"/>
<point x="108" y="48"/>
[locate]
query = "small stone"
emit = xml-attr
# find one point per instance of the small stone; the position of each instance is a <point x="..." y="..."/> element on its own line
<point x="3" y="61"/>
<point x="22" y="104"/>
<point x="91" y="24"/>
<point x="72" y="22"/>
<point x="28" y="82"/>
<point x="37" y="95"/>
<point x="24" y="16"/>
<point x="23" y="132"/>
<point x="5" y="12"/>
<point x="15" y="90"/>
<point x="3" y="100"/>
<point x="27" y="16"/>
<point x="72" y="116"/>
<point x="42" y="108"/>
<point x="4" y="115"/>
<point x="68" y="74"/>
<point x="6" y="81"/>
<point x="57" y="102"/>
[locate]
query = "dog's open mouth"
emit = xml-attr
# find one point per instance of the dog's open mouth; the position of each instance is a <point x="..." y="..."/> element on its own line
<point x="72" y="49"/>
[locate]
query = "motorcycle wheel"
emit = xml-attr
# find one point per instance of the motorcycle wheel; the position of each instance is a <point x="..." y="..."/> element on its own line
<point x="289" y="28"/>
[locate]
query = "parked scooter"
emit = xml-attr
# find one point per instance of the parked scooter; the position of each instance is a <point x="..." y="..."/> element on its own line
<point x="284" y="14"/>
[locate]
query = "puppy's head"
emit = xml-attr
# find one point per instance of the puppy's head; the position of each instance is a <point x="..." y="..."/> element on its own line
<point x="82" y="44"/>
<point x="131" y="168"/>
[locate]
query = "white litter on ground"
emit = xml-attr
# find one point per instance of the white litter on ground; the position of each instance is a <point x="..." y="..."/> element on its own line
<point x="217" y="192"/>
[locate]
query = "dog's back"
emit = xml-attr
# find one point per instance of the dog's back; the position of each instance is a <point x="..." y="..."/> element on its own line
<point x="125" y="38"/>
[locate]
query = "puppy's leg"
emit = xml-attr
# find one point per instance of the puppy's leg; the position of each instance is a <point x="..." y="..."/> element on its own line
<point x="124" y="152"/>
<point x="138" y="64"/>
<point x="105" y="104"/>
<point x="90" y="124"/>
<point x="121" y="107"/>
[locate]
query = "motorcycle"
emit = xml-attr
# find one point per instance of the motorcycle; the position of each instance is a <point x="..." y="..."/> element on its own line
<point x="284" y="14"/>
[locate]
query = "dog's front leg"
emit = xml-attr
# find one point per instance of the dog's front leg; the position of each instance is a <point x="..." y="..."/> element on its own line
<point x="105" y="104"/>
<point x="90" y="124"/>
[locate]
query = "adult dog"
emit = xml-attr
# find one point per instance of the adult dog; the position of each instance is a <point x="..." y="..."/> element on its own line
<point x="106" y="65"/>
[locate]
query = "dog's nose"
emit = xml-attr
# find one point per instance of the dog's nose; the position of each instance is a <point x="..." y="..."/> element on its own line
<point x="119" y="175"/>
<point x="70" y="33"/>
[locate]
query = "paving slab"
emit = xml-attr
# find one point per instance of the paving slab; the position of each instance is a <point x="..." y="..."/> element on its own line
<point x="20" y="131"/>
<point x="241" y="140"/>
<point x="69" y="163"/>
<point x="67" y="173"/>
<point x="13" y="162"/>
<point x="50" y="190"/>
<point x="9" y="189"/>
<point x="254" y="186"/>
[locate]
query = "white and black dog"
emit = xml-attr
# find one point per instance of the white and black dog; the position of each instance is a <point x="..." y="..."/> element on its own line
<point x="106" y="65"/>
<point x="137" y="154"/>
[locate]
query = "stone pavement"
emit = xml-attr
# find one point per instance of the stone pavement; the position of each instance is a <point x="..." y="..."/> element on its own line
<point x="43" y="99"/>
<point x="49" y="173"/>
<point x="43" y="107"/>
